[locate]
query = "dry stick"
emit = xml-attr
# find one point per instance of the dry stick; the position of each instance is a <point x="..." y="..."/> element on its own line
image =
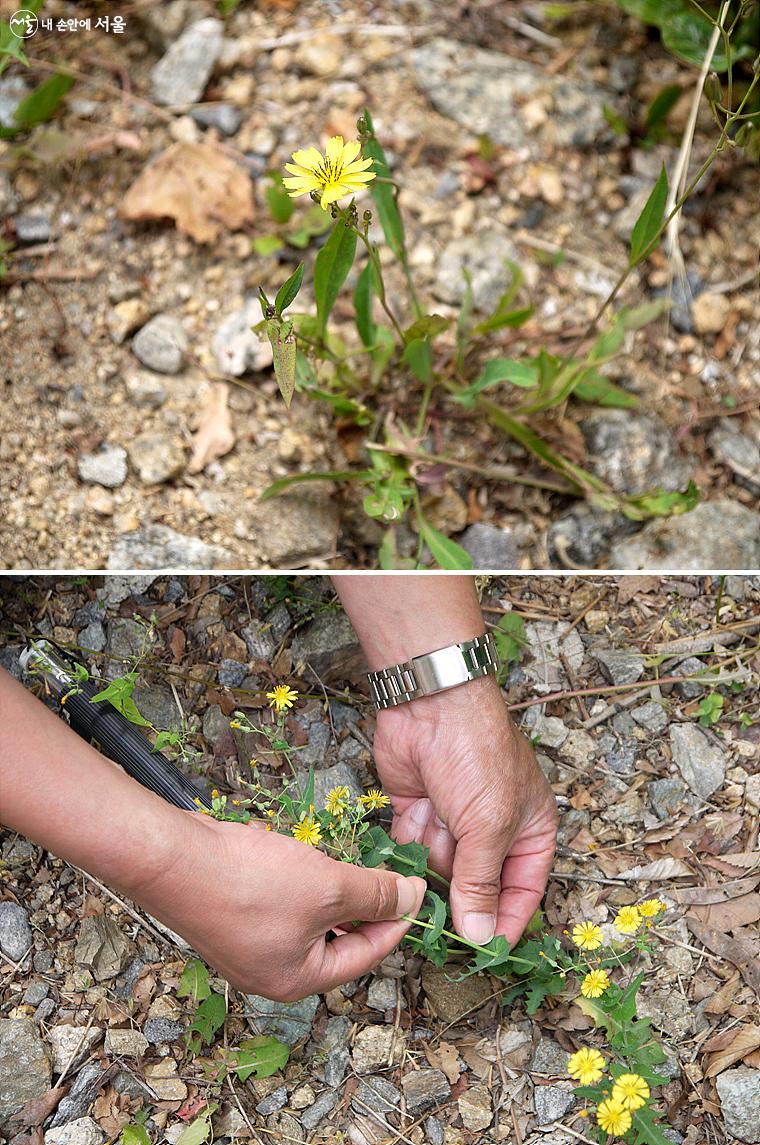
<point x="242" y="1111"/>
<point x="74" y="1052"/>
<point x="495" y="472"/>
<point x="571" y="693"/>
<point x="400" y="1135"/>
<point x="168" y="936"/>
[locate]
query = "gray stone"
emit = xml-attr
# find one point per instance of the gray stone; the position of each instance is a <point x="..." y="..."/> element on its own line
<point x="475" y="1108"/>
<point x="33" y="228"/>
<point x="127" y="1043"/>
<point x="320" y="55"/>
<point x="651" y="716"/>
<point x="24" y="1066"/>
<point x="634" y="452"/>
<point x="44" y="1011"/>
<point x="215" y="724"/>
<point x="620" y="665"/>
<point x="701" y="762"/>
<point x="279" y="622"/>
<point x="119" y="588"/>
<point x="161" y="1030"/>
<point x="670" y="1012"/>
<point x="273" y="1101"/>
<point x="342" y="775"/>
<point x="335" y="1042"/>
<point x="102" y="947"/>
<point x="81" y="1131"/>
<point x="329" y="648"/>
<point x="181" y="75"/>
<point x="376" y="1092"/>
<point x="666" y="797"/>
<point x="551" y="1102"/>
<point x="343" y="714"/>
<point x="80" y="1097"/>
<point x="307" y="530"/>
<point x="549" y="1058"/>
<point x="739" y="452"/>
<point x="336" y="1066"/>
<point x="8" y="200"/>
<point x="70" y="1045"/>
<point x="691" y="666"/>
<point x="450" y="998"/>
<point x="232" y="673"/>
<point x="125" y="642"/>
<point x="259" y="641"/>
<point x="289" y="1021"/>
<point x="434" y="1130"/>
<point x="159" y="547"/>
<point x="93" y="637"/>
<point x="318" y="746"/>
<point x="12" y="90"/>
<point x="376" y="1047"/>
<point x="223" y="116"/>
<point x="486" y="259"/>
<point x="424" y="1089"/>
<point x="549" y="731"/>
<point x="161" y="344"/>
<point x="35" y="992"/>
<point x="739" y="1093"/>
<point x="490" y="547"/>
<point x="715" y="535"/>
<point x="381" y="994"/>
<point x="15" y="931"/>
<point x="490" y="93"/>
<point x="125" y="1081"/>
<point x="325" y="1103"/>
<point x="107" y="468"/>
<point x="145" y="389"/>
<point x="236" y="346"/>
<point x="156" y="457"/>
<point x="582" y="535"/>
<point x="156" y="703"/>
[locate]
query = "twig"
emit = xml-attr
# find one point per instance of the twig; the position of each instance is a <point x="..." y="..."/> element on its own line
<point x="243" y="1113"/>
<point x="495" y="472"/>
<point x="344" y="30"/>
<point x="607" y="689"/>
<point x="74" y="1052"/>
<point x="167" y="936"/>
<point x="400" y="1136"/>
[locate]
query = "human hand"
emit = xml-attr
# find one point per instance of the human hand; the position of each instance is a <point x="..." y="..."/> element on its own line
<point x="258" y="907"/>
<point x="465" y="782"/>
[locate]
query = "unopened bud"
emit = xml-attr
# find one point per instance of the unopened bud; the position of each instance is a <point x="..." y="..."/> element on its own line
<point x="713" y="88"/>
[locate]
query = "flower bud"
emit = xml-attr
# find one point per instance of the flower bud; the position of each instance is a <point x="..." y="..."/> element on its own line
<point x="713" y="88"/>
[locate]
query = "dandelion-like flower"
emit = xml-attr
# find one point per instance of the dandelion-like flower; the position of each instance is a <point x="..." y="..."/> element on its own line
<point x="374" y="800"/>
<point x="281" y="697"/>
<point x="627" y="920"/>
<point x="594" y="984"/>
<point x="586" y="1066"/>
<point x="340" y="171"/>
<point x="650" y="908"/>
<point x="337" y="801"/>
<point x="587" y="936"/>
<point x="612" y="1117"/>
<point x="630" y="1090"/>
<point x="307" y="831"/>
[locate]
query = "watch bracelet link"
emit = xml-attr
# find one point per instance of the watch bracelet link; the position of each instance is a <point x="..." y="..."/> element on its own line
<point x="434" y="672"/>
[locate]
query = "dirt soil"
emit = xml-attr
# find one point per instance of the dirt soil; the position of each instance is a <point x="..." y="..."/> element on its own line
<point x="560" y="202"/>
<point x="638" y="818"/>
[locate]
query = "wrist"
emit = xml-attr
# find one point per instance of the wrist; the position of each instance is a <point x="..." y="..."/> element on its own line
<point x="481" y="698"/>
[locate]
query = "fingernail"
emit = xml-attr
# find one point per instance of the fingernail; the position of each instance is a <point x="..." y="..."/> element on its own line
<point x="407" y="896"/>
<point x="419" y="812"/>
<point x="440" y="823"/>
<point x="479" y="927"/>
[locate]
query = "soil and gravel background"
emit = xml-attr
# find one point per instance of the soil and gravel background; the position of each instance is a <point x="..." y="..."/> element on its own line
<point x="495" y="120"/>
<point x="651" y="803"/>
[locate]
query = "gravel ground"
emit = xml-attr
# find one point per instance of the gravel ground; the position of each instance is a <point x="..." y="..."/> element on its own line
<point x="112" y="330"/>
<point x="651" y="802"/>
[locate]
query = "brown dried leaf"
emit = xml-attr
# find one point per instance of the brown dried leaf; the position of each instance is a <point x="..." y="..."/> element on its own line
<point x="37" y="1110"/>
<point x="198" y="186"/>
<point x="701" y="896"/>
<point x="214" y="436"/>
<point x="728" y="863"/>
<point x="630" y="585"/>
<point x="659" y="870"/>
<point x="745" y="1039"/>
<point x="444" y="1057"/>
<point x="734" y="950"/>
<point x="177" y="644"/>
<point x="729" y="915"/>
<point x="719" y="1001"/>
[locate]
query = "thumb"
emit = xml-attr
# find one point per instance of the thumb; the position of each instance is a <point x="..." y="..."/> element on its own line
<point x="476" y="886"/>
<point x="373" y="895"/>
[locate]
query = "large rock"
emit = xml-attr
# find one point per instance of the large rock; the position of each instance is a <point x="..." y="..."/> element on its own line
<point x="15" y="931"/>
<point x="716" y="535"/>
<point x="700" y="761"/>
<point x="24" y="1066"/>
<point x="330" y="648"/>
<point x="181" y="75"/>
<point x="450" y="998"/>
<point x="159" y="547"/>
<point x="739" y="1093"/>
<point x="161" y="344"/>
<point x="515" y="103"/>
<point x="490" y="546"/>
<point x="634" y="452"/>
<point x="289" y="1021"/>
<point x="485" y="258"/>
<point x="425" y="1089"/>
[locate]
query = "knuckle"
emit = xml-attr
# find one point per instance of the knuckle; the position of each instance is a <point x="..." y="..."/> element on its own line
<point x="384" y="897"/>
<point x="331" y="900"/>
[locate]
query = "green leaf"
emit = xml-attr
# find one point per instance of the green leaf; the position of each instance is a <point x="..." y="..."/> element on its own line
<point x="284" y="483"/>
<point x="510" y="637"/>
<point x="341" y="405"/>
<point x="10" y="47"/>
<point x="264" y="245"/>
<point x="384" y="194"/>
<point x="438" y="917"/>
<point x="661" y="107"/>
<point x="209" y="1017"/>
<point x="600" y="391"/>
<point x="427" y="327"/>
<point x="636" y="317"/>
<point x="464" y="319"/>
<point x="280" y="204"/>
<point x="119" y="695"/>
<point x="646" y="1129"/>
<point x="607" y="344"/>
<point x="261" y="1056"/>
<point x="505" y="318"/>
<point x="377" y="847"/>
<point x="660" y="503"/>
<point x="134" y="1135"/>
<point x="197" y="1131"/>
<point x="363" y="305"/>
<point x="498" y="370"/>
<point x="194" y="981"/>
<point x="418" y="356"/>
<point x="284" y="354"/>
<point x="648" y="223"/>
<point x="445" y="552"/>
<point x="331" y="269"/>
<point x="288" y="290"/>
<point x="41" y="103"/>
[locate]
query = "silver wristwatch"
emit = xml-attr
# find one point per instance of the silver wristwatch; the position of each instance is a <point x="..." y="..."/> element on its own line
<point x="434" y="672"/>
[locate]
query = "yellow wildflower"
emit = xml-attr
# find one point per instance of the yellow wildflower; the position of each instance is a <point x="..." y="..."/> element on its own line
<point x="337" y="801"/>
<point x="307" y="831"/>
<point x="235" y="724"/>
<point x="650" y="908"/>
<point x="630" y="1090"/>
<point x="340" y="171"/>
<point x="587" y="936"/>
<point x="594" y="984"/>
<point x="214" y="793"/>
<point x="281" y="697"/>
<point x="612" y="1117"/>
<point x="586" y="1066"/>
<point x="374" y="800"/>
<point x="627" y="920"/>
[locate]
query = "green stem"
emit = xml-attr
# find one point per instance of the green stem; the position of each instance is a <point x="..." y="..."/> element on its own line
<point x="372" y="252"/>
<point x="464" y="941"/>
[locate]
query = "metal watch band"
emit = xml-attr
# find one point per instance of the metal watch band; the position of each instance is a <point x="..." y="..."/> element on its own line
<point x="434" y="672"/>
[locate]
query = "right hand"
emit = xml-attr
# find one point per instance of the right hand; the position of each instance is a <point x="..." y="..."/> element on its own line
<point x="258" y="906"/>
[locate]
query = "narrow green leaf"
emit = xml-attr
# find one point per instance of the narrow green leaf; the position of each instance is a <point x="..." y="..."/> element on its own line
<point x="510" y="637"/>
<point x="418" y="356"/>
<point x="194" y="981"/>
<point x="438" y="917"/>
<point x="363" y="306"/>
<point x="600" y="391"/>
<point x="134" y="1135"/>
<point x="41" y="103"/>
<point x="505" y="318"/>
<point x="427" y="327"/>
<point x="280" y="204"/>
<point x="288" y="290"/>
<point x="384" y="194"/>
<point x="661" y="107"/>
<point x="341" y="405"/>
<point x="261" y="1056"/>
<point x="445" y="552"/>
<point x="636" y="317"/>
<point x="649" y="221"/>
<point x="464" y="319"/>
<point x="284" y="483"/>
<point x="331" y="269"/>
<point x="284" y="354"/>
<point x="498" y="370"/>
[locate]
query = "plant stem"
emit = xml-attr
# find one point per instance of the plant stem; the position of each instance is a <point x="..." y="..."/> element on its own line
<point x="372" y="252"/>
<point x="464" y="941"/>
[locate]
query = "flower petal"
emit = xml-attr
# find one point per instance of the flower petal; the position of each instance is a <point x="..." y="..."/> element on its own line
<point x="358" y="165"/>
<point x="333" y="192"/>
<point x="334" y="149"/>
<point x="350" y="150"/>
<point x="309" y="159"/>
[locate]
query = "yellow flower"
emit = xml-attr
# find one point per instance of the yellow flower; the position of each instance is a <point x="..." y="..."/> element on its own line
<point x="586" y="1066"/>
<point x="374" y="800"/>
<point x="340" y="171"/>
<point x="630" y="1090"/>
<point x="612" y="1117"/>
<point x="307" y="831"/>
<point x="281" y="697"/>
<point x="628" y="920"/>
<point x="594" y="984"/>
<point x="587" y="935"/>
<point x="337" y="801"/>
<point x="650" y="908"/>
<point x="214" y="793"/>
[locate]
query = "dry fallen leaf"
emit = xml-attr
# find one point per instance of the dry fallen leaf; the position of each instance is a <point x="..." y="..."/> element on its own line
<point x="729" y="915"/>
<point x="630" y="585"/>
<point x="37" y="1110"/>
<point x="214" y="436"/>
<point x="198" y="186"/>
<point x="660" y="869"/>
<point x="444" y="1057"/>
<point x="744" y="1040"/>
<point x="736" y="950"/>
<point x="702" y="896"/>
<point x="720" y="1000"/>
